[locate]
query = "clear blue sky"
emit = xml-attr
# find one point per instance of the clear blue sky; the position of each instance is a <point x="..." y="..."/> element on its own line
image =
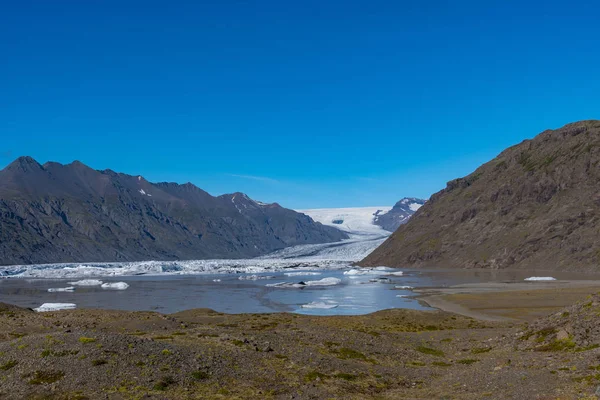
<point x="308" y="103"/>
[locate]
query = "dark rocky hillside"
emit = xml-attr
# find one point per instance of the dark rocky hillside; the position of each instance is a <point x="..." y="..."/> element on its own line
<point x="536" y="205"/>
<point x="71" y="213"/>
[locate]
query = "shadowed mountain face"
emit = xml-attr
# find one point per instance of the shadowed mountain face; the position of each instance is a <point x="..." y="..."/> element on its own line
<point x="71" y="213"/>
<point x="399" y="214"/>
<point x="537" y="205"/>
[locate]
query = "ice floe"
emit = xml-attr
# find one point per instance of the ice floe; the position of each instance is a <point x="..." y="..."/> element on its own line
<point x="55" y="307"/>
<point x="302" y="284"/>
<point x="302" y="273"/>
<point x="63" y="289"/>
<point x="319" y="305"/>
<point x="115" y="285"/>
<point x="86" y="282"/>
<point x="404" y="287"/>
<point x="255" y="277"/>
<point x="324" y="282"/>
<point x="540" y="278"/>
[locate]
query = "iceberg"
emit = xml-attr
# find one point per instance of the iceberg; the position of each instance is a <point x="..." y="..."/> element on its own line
<point x="46" y="307"/>
<point x="302" y="273"/>
<point x="86" y="282"/>
<point x="540" y="278"/>
<point x="324" y="282"/>
<point x="115" y="285"/>
<point x="65" y="289"/>
<point x="319" y="305"/>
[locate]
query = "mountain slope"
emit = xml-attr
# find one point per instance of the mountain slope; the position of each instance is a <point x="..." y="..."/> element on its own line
<point x="537" y="205"/>
<point x="72" y="213"/>
<point x="399" y="214"/>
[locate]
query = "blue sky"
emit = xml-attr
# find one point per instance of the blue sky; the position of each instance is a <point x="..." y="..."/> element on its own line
<point x="311" y="103"/>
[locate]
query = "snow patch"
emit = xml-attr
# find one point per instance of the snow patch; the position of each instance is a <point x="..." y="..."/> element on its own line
<point x="415" y="206"/>
<point x="46" y="307"/>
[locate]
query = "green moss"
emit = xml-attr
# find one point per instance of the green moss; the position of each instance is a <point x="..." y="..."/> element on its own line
<point x="441" y="364"/>
<point x="166" y="352"/>
<point x="42" y="377"/>
<point x="480" y="350"/>
<point x="238" y="342"/>
<point x="430" y="351"/>
<point x="200" y="375"/>
<point x="84" y="339"/>
<point x="99" y="362"/>
<point x="314" y="375"/>
<point x="346" y="377"/>
<point x="559" y="345"/>
<point x="164" y="383"/>
<point x="346" y="353"/>
<point x="165" y="337"/>
<point x="8" y="365"/>
<point x="467" y="361"/>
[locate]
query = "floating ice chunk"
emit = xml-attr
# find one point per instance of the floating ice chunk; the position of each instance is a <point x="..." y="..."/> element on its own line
<point x="115" y="285"/>
<point x="216" y="280"/>
<point x="401" y="295"/>
<point x="55" y="307"/>
<point x="86" y="282"/>
<point x="319" y="305"/>
<point x="540" y="278"/>
<point x="404" y="287"/>
<point x="324" y="282"/>
<point x="382" y="269"/>
<point x="397" y="273"/>
<point x="255" y="277"/>
<point x="302" y="273"/>
<point x="363" y="271"/>
<point x="62" y="289"/>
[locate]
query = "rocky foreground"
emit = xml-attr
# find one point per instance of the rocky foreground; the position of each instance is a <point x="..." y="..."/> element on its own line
<point x="200" y="354"/>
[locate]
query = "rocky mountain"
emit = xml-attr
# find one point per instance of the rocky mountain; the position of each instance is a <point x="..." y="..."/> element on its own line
<point x="399" y="214"/>
<point x="72" y="213"/>
<point x="536" y="205"/>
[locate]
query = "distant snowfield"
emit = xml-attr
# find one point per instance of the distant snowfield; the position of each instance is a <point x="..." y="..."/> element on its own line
<point x="357" y="222"/>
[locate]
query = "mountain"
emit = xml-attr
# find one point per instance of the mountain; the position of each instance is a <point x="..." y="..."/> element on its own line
<point x="536" y="205"/>
<point x="399" y="214"/>
<point x="55" y="213"/>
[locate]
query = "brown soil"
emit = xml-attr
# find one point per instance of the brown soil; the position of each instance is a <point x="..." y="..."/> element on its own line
<point x="200" y="354"/>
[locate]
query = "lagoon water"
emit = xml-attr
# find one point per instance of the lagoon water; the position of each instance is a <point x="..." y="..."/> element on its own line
<point x="255" y="293"/>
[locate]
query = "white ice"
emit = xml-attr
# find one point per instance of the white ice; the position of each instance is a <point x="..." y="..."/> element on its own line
<point x="115" y="285"/>
<point x="65" y="289"/>
<point x="302" y="273"/>
<point x="324" y="282"/>
<point x="55" y="307"/>
<point x="540" y="278"/>
<point x="319" y="305"/>
<point x="255" y="277"/>
<point x="415" y="206"/>
<point x="86" y="282"/>
<point x="404" y="287"/>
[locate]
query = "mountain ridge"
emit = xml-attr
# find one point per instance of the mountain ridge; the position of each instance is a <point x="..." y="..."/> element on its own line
<point x="72" y="213"/>
<point x="535" y="206"/>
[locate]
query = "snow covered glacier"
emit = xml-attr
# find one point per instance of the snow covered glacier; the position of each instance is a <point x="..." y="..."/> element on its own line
<point x="365" y="236"/>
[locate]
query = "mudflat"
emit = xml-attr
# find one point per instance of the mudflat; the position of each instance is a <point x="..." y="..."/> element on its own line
<point x="391" y="354"/>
